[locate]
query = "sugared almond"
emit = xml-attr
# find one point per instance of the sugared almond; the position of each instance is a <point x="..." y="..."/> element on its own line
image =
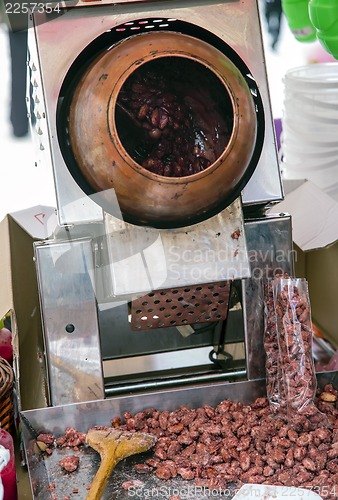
<point x="328" y="397"/>
<point x="39" y="447"/>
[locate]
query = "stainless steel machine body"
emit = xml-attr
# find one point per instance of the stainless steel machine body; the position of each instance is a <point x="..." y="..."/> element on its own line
<point x="56" y="42"/>
<point x="136" y="315"/>
<point x="85" y="339"/>
<point x="97" y="264"/>
<point x="139" y="315"/>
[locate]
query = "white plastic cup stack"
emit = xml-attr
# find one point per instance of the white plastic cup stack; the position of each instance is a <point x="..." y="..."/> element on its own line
<point x="309" y="141"/>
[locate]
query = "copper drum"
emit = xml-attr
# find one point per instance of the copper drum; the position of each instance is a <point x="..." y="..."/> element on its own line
<point x="146" y="197"/>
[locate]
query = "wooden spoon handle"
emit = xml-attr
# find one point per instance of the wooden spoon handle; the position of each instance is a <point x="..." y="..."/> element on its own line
<point x="101" y="477"/>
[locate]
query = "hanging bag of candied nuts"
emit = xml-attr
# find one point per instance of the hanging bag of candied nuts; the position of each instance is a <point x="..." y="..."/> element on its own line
<point x="274" y="378"/>
<point x="290" y="371"/>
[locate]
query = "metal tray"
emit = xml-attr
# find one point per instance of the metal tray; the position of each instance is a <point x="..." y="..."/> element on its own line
<point x="149" y="485"/>
<point x="82" y="416"/>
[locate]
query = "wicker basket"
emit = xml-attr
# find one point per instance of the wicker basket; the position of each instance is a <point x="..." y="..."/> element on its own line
<point x="6" y="395"/>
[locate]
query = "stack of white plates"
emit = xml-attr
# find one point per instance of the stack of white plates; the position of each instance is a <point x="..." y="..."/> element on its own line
<point x="309" y="142"/>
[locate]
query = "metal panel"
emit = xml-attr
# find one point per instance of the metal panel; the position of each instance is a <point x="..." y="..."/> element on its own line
<point x="180" y="306"/>
<point x="70" y="198"/>
<point x="142" y="259"/>
<point x="270" y="252"/>
<point x="70" y="320"/>
<point x="66" y="281"/>
<point x="60" y="40"/>
<point x="100" y="412"/>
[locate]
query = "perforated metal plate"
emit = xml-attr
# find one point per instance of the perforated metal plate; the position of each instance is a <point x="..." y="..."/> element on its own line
<point x="180" y="306"/>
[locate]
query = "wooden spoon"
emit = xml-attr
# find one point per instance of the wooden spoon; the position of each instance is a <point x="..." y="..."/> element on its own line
<point x="114" y="445"/>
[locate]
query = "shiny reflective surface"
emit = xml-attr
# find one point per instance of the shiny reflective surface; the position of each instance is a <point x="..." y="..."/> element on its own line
<point x="141" y="259"/>
<point x="85" y="415"/>
<point x="65" y="275"/>
<point x="74" y="30"/>
<point x="270" y="251"/>
<point x="69" y="277"/>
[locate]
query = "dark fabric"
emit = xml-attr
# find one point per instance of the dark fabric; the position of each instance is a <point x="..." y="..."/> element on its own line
<point x="18" y="105"/>
<point x="273" y="16"/>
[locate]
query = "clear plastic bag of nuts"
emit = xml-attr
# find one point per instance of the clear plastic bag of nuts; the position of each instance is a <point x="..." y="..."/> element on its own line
<point x="290" y="372"/>
<point x="274" y="378"/>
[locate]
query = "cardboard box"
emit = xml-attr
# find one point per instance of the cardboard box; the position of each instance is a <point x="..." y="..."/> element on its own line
<point x="315" y="235"/>
<point x="19" y="297"/>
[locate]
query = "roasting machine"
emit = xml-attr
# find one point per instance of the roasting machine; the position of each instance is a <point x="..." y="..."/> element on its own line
<point x="149" y="276"/>
<point x="155" y="119"/>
